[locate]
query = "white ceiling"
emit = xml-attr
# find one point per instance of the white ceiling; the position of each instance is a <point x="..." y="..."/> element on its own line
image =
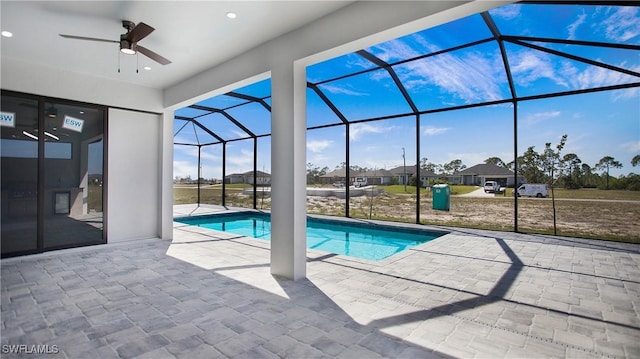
<point x="194" y="35"/>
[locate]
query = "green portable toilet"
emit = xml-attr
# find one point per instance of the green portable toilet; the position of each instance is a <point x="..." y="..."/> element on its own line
<point x="441" y="197"/>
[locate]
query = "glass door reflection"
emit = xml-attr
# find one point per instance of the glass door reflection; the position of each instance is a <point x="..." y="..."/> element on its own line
<point x="19" y="161"/>
<point x="73" y="140"/>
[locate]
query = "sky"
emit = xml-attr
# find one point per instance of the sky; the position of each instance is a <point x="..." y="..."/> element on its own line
<point x="597" y="124"/>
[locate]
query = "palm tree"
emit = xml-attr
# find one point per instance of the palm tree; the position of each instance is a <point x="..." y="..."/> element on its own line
<point x="605" y="163"/>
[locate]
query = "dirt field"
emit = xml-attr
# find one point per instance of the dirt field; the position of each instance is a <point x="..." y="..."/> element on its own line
<point x="593" y="218"/>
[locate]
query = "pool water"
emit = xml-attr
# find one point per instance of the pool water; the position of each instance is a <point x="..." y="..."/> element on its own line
<point x="361" y="240"/>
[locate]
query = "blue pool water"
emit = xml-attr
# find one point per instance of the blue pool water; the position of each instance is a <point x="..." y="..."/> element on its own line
<point x="361" y="240"/>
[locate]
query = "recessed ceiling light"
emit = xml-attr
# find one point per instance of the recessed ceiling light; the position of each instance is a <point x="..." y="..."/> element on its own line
<point x="232" y="15"/>
<point x="147" y="68"/>
<point x="7" y="34"/>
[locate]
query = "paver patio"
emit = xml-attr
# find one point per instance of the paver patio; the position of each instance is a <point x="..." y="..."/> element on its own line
<point x="208" y="294"/>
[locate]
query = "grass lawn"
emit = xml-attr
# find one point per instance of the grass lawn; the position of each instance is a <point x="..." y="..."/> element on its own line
<point x="593" y="193"/>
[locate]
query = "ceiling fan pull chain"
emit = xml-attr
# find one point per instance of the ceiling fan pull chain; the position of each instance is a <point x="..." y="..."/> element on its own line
<point x="137" y="62"/>
<point x="118" y="61"/>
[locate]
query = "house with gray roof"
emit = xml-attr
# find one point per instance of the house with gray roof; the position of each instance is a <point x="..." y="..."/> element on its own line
<point x="404" y="174"/>
<point x="262" y="178"/>
<point x="339" y="175"/>
<point x="480" y="173"/>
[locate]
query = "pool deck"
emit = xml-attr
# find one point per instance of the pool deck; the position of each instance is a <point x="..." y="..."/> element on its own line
<point x="206" y="294"/>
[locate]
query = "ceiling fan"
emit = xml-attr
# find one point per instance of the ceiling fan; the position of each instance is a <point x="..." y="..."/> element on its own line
<point x="129" y="41"/>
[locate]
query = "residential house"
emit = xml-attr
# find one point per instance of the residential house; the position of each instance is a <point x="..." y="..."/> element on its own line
<point x="339" y="175"/>
<point x="404" y="174"/>
<point x="480" y="173"/>
<point x="262" y="178"/>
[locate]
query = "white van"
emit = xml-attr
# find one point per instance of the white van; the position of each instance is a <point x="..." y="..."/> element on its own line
<point x="360" y="182"/>
<point x="532" y="190"/>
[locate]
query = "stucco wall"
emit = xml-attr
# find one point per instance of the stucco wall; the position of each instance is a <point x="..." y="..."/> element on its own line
<point x="133" y="182"/>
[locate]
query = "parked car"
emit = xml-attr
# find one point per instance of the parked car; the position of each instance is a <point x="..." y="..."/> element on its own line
<point x="491" y="187"/>
<point x="532" y="190"/>
<point x="360" y="182"/>
<point x="338" y="184"/>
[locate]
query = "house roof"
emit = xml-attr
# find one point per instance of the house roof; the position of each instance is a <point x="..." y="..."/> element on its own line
<point x="377" y="173"/>
<point x="399" y="171"/>
<point x="485" y="169"/>
<point x="340" y="172"/>
<point x="249" y="173"/>
<point x="259" y="173"/>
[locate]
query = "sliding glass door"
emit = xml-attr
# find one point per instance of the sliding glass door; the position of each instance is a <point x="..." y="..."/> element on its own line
<point x="52" y="175"/>
<point x="19" y="175"/>
<point x="73" y="138"/>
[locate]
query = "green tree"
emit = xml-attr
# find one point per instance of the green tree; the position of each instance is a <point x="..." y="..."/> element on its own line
<point x="428" y="166"/>
<point x="495" y="161"/>
<point x="550" y="160"/>
<point x="588" y="178"/>
<point x="314" y="173"/>
<point x="453" y="166"/>
<point x="573" y="165"/>
<point x="551" y="163"/>
<point x="605" y="164"/>
<point x="529" y="166"/>
<point x="635" y="160"/>
<point x="423" y="163"/>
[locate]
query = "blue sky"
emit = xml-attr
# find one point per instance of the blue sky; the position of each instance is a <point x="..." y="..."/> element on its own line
<point x="597" y="124"/>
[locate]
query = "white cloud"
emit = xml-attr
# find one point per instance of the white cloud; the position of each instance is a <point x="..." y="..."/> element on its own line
<point x="508" y="12"/>
<point x="432" y="131"/>
<point x="541" y="116"/>
<point x="595" y="76"/>
<point x="528" y="66"/>
<point x="240" y="162"/>
<point x="184" y="168"/>
<point x="471" y="76"/>
<point x="320" y="160"/>
<point x="318" y="145"/>
<point x="622" y="24"/>
<point x="631" y="147"/>
<point x="357" y="130"/>
<point x="341" y="90"/>
<point x="235" y="134"/>
<point x="573" y="27"/>
<point x="630" y="93"/>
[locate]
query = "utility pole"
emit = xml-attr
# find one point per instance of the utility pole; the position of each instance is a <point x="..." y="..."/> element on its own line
<point x="404" y="166"/>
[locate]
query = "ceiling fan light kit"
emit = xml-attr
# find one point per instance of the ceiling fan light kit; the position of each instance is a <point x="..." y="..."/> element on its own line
<point x="129" y="41"/>
<point x="127" y="48"/>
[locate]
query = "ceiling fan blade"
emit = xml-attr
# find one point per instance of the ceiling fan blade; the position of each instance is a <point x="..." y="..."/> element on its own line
<point x="152" y="55"/>
<point x="86" y="38"/>
<point x="139" y="32"/>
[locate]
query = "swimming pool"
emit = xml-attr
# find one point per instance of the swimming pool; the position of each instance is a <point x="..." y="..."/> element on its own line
<point x="360" y="240"/>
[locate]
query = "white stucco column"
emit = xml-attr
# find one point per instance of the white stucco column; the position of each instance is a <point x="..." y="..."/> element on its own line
<point x="288" y="171"/>
<point x="165" y="230"/>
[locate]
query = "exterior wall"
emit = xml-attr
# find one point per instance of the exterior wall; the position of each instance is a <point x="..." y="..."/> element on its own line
<point x="234" y="179"/>
<point x="261" y="180"/>
<point x="133" y="185"/>
<point x="40" y="80"/>
<point x="137" y="154"/>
